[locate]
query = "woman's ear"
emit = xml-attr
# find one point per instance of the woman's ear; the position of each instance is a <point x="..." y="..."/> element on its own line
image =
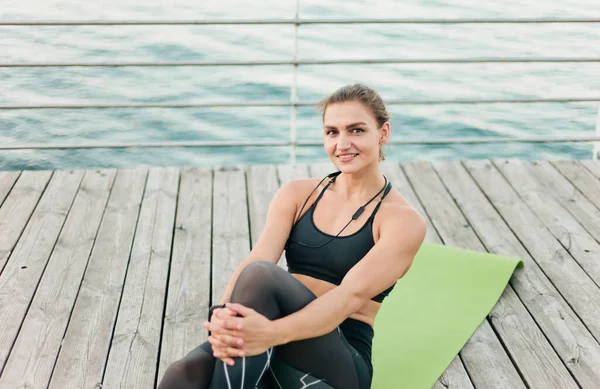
<point x="385" y="133"/>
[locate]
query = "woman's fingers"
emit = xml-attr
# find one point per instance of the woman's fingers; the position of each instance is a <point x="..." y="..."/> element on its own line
<point x="228" y="352"/>
<point x="231" y="340"/>
<point x="219" y="328"/>
<point x="221" y="313"/>
<point x="209" y="326"/>
<point x="223" y="356"/>
<point x="216" y="343"/>
<point x="232" y="325"/>
<point x="224" y="313"/>
<point x="225" y="341"/>
<point x="228" y="361"/>
<point x="239" y="308"/>
<point x="214" y="327"/>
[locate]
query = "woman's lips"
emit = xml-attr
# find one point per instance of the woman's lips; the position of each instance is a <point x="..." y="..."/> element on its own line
<point x="346" y="157"/>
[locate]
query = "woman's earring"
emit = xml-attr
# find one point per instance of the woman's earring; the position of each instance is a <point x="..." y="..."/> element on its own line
<point x="381" y="154"/>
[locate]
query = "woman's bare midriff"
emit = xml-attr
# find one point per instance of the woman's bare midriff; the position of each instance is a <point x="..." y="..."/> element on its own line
<point x="319" y="287"/>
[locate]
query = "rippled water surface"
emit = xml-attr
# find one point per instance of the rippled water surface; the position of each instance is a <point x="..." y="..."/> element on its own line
<point x="106" y="85"/>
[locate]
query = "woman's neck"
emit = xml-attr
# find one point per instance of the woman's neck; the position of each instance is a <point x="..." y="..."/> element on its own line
<point x="360" y="185"/>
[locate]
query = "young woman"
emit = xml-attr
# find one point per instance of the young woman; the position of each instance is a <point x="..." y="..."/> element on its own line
<point x="348" y="238"/>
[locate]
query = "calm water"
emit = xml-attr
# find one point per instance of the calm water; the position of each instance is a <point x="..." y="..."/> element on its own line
<point x="197" y="84"/>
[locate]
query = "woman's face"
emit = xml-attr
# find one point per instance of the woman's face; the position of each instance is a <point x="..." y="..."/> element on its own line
<point x="352" y="136"/>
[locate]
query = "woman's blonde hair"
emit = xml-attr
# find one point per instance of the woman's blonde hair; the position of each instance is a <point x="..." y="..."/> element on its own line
<point x="363" y="94"/>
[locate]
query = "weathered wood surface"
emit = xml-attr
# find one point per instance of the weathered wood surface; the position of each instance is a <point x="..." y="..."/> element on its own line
<point x="189" y="274"/>
<point x="7" y="180"/>
<point x="137" y="333"/>
<point x="87" y="340"/>
<point x="106" y="275"/>
<point x="34" y="353"/>
<point x="504" y="227"/>
<point x="484" y="349"/>
<point x="26" y="264"/>
<point x="18" y="207"/>
<point x="231" y="233"/>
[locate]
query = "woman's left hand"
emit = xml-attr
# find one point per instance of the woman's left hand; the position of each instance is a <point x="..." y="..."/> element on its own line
<point x="223" y="342"/>
<point x="258" y="332"/>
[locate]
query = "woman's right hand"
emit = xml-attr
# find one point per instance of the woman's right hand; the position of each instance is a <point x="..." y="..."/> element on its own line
<point x="222" y="340"/>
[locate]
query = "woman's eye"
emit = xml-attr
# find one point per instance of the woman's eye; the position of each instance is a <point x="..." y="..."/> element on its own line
<point x="357" y="130"/>
<point x="330" y="132"/>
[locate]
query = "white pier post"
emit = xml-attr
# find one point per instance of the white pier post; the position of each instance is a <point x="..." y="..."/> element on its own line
<point x="294" y="94"/>
<point x="597" y="144"/>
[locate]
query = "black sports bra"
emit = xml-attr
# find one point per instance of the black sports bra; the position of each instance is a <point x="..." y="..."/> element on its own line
<point x="312" y="252"/>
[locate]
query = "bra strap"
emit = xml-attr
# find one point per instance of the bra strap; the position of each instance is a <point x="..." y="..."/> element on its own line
<point x="330" y="175"/>
<point x="326" y="186"/>
<point x="388" y="188"/>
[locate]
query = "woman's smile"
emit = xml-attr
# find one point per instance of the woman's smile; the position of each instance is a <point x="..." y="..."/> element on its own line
<point x="347" y="157"/>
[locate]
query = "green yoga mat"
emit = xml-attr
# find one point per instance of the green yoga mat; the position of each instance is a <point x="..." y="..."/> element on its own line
<point x="433" y="311"/>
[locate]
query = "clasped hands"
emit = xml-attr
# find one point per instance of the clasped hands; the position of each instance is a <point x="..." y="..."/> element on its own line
<point x="235" y="336"/>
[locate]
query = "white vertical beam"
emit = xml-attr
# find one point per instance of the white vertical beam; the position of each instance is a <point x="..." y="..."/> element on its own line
<point x="294" y="95"/>
<point x="597" y="144"/>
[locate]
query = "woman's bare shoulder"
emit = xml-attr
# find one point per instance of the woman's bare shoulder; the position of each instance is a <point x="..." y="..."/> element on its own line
<point x="302" y="183"/>
<point x="298" y="189"/>
<point x="398" y="208"/>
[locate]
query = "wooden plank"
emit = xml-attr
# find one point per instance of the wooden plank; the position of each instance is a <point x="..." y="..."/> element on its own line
<point x="262" y="185"/>
<point x="508" y="227"/>
<point x="553" y="214"/>
<point x="231" y="237"/>
<point x="189" y="279"/>
<point x="286" y="173"/>
<point x="320" y="170"/>
<point x="7" y="180"/>
<point x="483" y="349"/>
<point x="395" y="175"/>
<point x="576" y="203"/>
<point x="17" y="209"/>
<point x="86" y="343"/>
<point x="134" y="351"/>
<point x="583" y="179"/>
<point x="592" y="166"/>
<point x="22" y="273"/>
<point x="33" y="356"/>
<point x="455" y="375"/>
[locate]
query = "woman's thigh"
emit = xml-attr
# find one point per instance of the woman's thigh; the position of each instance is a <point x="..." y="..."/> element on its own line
<point x="327" y="359"/>
<point x="276" y="293"/>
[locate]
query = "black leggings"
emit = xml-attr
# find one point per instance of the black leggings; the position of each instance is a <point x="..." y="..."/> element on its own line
<point x="324" y="362"/>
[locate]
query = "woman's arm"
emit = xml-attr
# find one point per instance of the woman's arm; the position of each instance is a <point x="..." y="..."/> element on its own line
<point x="401" y="236"/>
<point x="278" y="224"/>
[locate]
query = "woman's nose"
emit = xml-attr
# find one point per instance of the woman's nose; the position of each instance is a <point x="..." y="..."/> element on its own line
<point x="343" y="142"/>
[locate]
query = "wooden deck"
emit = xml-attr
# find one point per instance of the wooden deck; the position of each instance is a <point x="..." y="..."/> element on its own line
<point x="106" y="275"/>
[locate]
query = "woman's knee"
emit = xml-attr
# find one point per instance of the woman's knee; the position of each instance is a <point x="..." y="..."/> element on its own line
<point x="258" y="271"/>
<point x="261" y="266"/>
<point x="256" y="280"/>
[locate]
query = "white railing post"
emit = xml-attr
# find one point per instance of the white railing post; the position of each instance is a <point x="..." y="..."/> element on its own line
<point x="293" y="94"/>
<point x="597" y="144"/>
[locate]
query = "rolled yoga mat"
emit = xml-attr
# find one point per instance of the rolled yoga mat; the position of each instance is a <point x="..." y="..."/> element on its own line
<point x="433" y="311"/>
